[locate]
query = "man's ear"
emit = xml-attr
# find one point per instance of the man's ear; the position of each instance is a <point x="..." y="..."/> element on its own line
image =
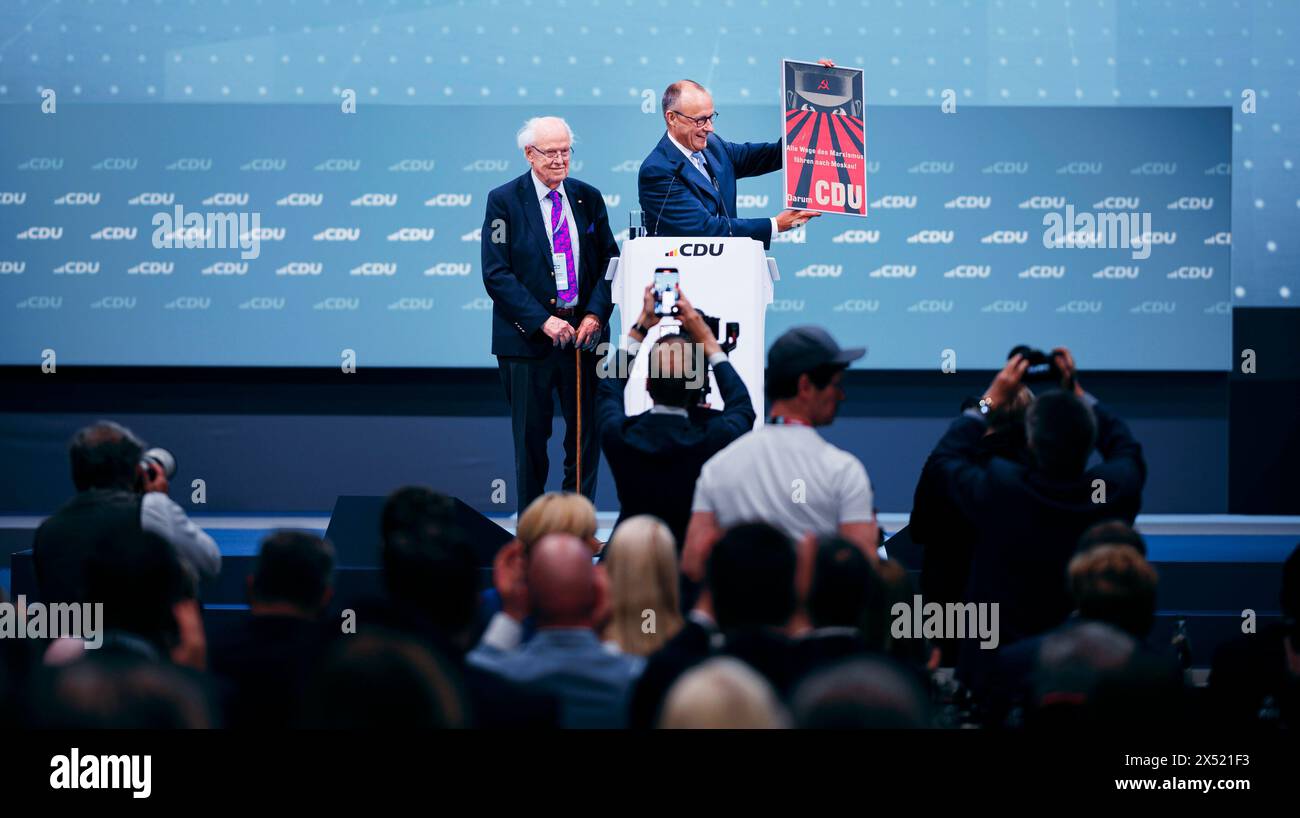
<point x="805" y="385"/>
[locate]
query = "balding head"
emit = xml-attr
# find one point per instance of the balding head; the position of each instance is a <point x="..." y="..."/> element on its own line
<point x="684" y="103"/>
<point x="562" y="582"/>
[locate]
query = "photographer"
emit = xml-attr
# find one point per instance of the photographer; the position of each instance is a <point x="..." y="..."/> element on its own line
<point x="117" y="488"/>
<point x="1029" y="516"/>
<point x="937" y="523"/>
<point x="656" y="456"/>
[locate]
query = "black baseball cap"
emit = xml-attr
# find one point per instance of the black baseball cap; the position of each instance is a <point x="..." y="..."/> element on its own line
<point x="801" y="349"/>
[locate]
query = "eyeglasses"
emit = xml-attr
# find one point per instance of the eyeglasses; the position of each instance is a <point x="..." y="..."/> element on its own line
<point x="700" y="121"/>
<point x="552" y="155"/>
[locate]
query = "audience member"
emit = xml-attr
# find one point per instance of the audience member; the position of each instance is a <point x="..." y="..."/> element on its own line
<point x="565" y="658"/>
<point x="656" y="456"/>
<point x="784" y="472"/>
<point x="1095" y="676"/>
<point x="844" y="584"/>
<point x="268" y="658"/>
<point x="115" y="493"/>
<point x="722" y="694"/>
<point x="432" y="583"/>
<point x="750" y="592"/>
<point x="150" y="609"/>
<point x="116" y="690"/>
<point x="555" y="512"/>
<point x="894" y="586"/>
<point x="1116" y="585"/>
<point x="869" y="693"/>
<point x="558" y="512"/>
<point x="1110" y="584"/>
<point x="384" y="681"/>
<point x="641" y="562"/>
<point x="1112" y="532"/>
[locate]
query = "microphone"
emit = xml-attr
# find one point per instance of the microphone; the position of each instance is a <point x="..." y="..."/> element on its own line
<point x="671" y="182"/>
<point x="721" y="199"/>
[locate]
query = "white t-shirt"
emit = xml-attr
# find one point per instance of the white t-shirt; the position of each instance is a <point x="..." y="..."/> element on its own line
<point x="786" y="475"/>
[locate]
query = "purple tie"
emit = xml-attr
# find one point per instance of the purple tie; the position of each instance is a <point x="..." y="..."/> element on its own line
<point x="560" y="234"/>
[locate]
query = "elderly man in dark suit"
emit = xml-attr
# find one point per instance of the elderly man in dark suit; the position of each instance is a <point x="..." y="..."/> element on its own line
<point x="655" y="456"/>
<point x="546" y="243"/>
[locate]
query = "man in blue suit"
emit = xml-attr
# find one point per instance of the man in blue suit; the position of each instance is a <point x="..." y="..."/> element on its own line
<point x="687" y="185"/>
<point x="565" y="659"/>
<point x="546" y="243"/>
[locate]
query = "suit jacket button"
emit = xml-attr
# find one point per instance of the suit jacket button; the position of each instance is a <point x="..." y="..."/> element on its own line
<point x="552" y="300"/>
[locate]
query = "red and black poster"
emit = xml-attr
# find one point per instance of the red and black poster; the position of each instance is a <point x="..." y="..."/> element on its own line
<point x="825" y="138"/>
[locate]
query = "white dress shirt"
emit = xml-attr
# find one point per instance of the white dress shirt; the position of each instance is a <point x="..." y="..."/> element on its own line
<point x="543" y="194"/>
<point x="690" y="157"/>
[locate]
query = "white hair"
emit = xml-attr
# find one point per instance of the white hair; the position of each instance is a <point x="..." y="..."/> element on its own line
<point x="528" y="134"/>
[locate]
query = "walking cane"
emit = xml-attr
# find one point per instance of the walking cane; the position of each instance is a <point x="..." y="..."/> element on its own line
<point x="577" y="357"/>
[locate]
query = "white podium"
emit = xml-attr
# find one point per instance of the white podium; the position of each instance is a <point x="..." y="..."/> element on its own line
<point x="730" y="279"/>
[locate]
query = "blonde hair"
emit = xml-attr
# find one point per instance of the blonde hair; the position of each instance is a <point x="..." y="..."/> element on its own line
<point x="562" y="512"/>
<point x="722" y="694"/>
<point x="641" y="562"/>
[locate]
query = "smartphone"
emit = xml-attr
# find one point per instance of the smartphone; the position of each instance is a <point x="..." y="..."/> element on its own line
<point x="666" y="279"/>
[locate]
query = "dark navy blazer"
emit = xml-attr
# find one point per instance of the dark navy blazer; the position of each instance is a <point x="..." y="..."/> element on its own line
<point x="517" y="270"/>
<point x="678" y="200"/>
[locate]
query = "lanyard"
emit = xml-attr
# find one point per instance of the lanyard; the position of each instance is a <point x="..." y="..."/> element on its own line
<point x="778" y="420"/>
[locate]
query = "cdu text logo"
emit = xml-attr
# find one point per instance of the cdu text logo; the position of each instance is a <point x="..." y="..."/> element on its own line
<point x="375" y="200"/>
<point x="374" y="268"/>
<point x="69" y="199"/>
<point x="858" y="305"/>
<point x="1006" y="306"/>
<point x="1080" y="169"/>
<point x="77" y="268"/>
<point x="1043" y="271"/>
<point x="933" y="167"/>
<point x="450" y="268"/>
<point x="152" y="199"/>
<point x="453" y="200"/>
<point x="412" y="166"/>
<point x="265" y="165"/>
<point x="338" y="165"/>
<point x="820" y="271"/>
<point x="855" y="237"/>
<point x="894" y="271"/>
<point x="1006" y="168"/>
<point x="300" y="268"/>
<point x="152" y="268"/>
<point x="412" y="234"/>
<point x="931" y="237"/>
<point x="300" y="200"/>
<point x="188" y="164"/>
<point x="42" y="163"/>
